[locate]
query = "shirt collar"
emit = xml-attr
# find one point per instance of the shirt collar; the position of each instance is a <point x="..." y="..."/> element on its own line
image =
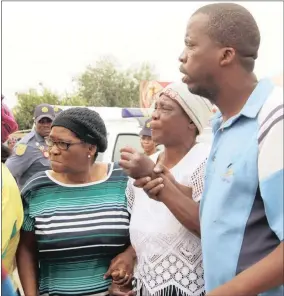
<point x="257" y="98"/>
<point x="253" y="104"/>
<point x="38" y="137"/>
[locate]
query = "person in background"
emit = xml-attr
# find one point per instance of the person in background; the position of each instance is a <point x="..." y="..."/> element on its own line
<point x="76" y="218"/>
<point x="11" y="142"/>
<point x="12" y="208"/>
<point x="241" y="211"/>
<point x="30" y="154"/>
<point x="8" y="122"/>
<point x="147" y="143"/>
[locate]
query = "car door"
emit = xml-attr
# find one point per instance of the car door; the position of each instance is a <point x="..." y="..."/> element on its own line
<point x="123" y="140"/>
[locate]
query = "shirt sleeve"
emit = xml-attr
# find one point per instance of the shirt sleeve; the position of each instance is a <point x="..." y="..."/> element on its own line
<point x="11" y="208"/>
<point x="197" y="181"/>
<point x="130" y="196"/>
<point x="28" y="223"/>
<point x="18" y="165"/>
<point x="7" y="219"/>
<point x="270" y="169"/>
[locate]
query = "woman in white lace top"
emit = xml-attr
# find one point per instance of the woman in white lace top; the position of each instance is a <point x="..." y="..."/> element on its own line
<point x="169" y="259"/>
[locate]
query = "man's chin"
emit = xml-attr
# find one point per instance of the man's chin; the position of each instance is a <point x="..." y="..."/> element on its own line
<point x="193" y="90"/>
<point x="205" y="93"/>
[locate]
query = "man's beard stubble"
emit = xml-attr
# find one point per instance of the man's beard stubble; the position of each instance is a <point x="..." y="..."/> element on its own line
<point x="210" y="93"/>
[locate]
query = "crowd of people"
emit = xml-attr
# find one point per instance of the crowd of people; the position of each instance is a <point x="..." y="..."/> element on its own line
<point x="193" y="219"/>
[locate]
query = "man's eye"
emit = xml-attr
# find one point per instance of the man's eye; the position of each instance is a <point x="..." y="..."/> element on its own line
<point x="189" y="44"/>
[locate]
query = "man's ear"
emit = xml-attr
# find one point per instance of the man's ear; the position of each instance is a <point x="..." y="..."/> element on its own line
<point x="227" y="56"/>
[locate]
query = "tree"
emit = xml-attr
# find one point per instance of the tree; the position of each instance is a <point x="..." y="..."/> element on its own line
<point x="109" y="86"/>
<point x="24" y="110"/>
<point x="73" y="100"/>
<point x="105" y="85"/>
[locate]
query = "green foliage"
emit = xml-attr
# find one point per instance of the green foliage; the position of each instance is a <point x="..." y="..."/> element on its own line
<point x="109" y="86"/>
<point x="27" y="102"/>
<point x="105" y="85"/>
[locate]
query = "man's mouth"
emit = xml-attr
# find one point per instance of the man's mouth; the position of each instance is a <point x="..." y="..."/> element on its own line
<point x="185" y="79"/>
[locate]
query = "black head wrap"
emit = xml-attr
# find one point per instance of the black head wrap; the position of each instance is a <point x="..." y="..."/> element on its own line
<point x="86" y="124"/>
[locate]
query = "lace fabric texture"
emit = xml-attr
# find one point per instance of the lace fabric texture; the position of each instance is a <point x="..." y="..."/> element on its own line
<point x="168" y="255"/>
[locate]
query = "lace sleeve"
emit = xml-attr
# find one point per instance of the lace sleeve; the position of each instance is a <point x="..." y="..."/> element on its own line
<point x="129" y="192"/>
<point x="197" y="181"/>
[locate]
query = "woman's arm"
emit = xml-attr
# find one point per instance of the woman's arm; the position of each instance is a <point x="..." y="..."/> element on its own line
<point x="182" y="201"/>
<point x="27" y="263"/>
<point x="178" y="199"/>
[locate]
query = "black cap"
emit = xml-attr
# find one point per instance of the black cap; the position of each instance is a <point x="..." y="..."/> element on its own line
<point x="44" y="111"/>
<point x="146" y="130"/>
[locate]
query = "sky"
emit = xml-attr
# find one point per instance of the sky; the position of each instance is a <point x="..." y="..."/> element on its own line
<point x="53" y="42"/>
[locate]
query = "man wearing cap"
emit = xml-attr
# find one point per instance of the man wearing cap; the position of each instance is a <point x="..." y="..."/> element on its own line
<point x="147" y="143"/>
<point x="30" y="155"/>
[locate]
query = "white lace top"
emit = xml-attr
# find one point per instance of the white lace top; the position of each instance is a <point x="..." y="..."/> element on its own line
<point x="168" y="255"/>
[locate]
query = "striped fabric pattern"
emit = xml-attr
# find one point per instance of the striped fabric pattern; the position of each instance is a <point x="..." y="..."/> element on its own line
<point x="79" y="230"/>
<point x="270" y="121"/>
<point x="270" y="160"/>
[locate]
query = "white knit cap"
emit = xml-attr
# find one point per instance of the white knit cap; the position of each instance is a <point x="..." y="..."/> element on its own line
<point x="198" y="109"/>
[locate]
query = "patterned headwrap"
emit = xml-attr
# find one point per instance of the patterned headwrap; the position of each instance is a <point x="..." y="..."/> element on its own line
<point x="198" y="109"/>
<point x="8" y="122"/>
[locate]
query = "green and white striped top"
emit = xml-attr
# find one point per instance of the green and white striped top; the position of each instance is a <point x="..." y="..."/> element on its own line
<point x="79" y="229"/>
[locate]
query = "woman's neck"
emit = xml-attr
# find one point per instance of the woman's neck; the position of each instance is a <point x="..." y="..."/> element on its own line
<point x="174" y="154"/>
<point x="78" y="178"/>
<point x="97" y="172"/>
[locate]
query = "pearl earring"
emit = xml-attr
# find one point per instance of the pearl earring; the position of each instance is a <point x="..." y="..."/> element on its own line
<point x="89" y="156"/>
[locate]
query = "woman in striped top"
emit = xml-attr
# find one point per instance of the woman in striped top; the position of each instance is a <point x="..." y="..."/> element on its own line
<point x="75" y="216"/>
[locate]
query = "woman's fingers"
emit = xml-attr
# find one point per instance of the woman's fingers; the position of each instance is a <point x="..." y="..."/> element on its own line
<point x="123" y="281"/>
<point x="129" y="280"/>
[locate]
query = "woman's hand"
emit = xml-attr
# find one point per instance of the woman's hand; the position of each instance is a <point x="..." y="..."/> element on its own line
<point x="121" y="267"/>
<point x="154" y="187"/>
<point x="135" y="164"/>
<point x="115" y="290"/>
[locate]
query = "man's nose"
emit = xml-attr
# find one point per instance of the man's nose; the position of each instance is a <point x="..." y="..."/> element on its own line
<point x="182" y="57"/>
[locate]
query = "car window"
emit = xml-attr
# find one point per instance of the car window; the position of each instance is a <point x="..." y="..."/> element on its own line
<point x="123" y="140"/>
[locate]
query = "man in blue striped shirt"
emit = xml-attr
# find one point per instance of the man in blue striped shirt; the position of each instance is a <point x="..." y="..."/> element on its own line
<point x="241" y="210"/>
